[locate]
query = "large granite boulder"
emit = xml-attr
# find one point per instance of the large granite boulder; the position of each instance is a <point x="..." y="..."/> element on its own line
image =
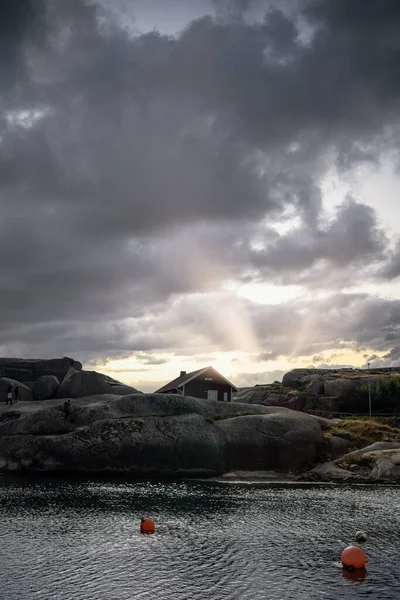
<point x="155" y="434"/>
<point x="24" y="392"/>
<point x="258" y="394"/>
<point x="293" y="378"/>
<point x="123" y="390"/>
<point x="27" y="370"/>
<point x="281" y="440"/>
<point x="340" y="387"/>
<point x="315" y="386"/>
<point x="336" y="446"/>
<point x="371" y="448"/>
<point x="323" y="391"/>
<point x="382" y="459"/>
<point x="386" y="465"/>
<point x="77" y="384"/>
<point x="45" y="387"/>
<point x="329" y="471"/>
<point x="116" y="387"/>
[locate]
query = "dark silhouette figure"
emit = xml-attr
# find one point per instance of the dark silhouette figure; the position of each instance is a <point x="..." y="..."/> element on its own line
<point x="9" y="395"/>
<point x="16" y="393"/>
<point x="67" y="408"/>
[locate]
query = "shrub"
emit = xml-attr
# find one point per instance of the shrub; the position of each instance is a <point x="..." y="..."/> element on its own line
<point x="387" y="393"/>
<point x="385" y="396"/>
<point x="358" y="402"/>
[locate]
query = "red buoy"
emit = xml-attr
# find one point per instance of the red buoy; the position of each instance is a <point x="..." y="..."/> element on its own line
<point x="147" y="526"/>
<point x="353" y="558"/>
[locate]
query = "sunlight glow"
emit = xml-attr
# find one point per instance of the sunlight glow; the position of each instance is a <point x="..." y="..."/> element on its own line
<point x="268" y="293"/>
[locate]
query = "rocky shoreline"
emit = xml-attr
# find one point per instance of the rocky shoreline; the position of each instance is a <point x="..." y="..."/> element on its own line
<point x="173" y="436"/>
<point x="114" y="429"/>
<point x="155" y="434"/>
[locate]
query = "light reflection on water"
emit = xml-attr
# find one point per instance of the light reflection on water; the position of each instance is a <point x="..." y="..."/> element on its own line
<point x="80" y="540"/>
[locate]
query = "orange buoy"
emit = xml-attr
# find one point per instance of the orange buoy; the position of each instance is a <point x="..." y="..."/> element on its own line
<point x="147" y="526"/>
<point x="353" y="558"/>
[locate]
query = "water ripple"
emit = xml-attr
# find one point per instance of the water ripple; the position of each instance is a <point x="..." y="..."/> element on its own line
<point x="68" y="541"/>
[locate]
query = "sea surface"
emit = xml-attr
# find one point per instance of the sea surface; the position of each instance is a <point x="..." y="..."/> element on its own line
<point x="67" y="540"/>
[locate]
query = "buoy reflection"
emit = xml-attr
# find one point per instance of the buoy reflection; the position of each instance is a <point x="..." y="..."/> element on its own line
<point x="357" y="576"/>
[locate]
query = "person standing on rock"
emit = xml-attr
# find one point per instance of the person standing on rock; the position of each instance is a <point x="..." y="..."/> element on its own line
<point x="9" y="395"/>
<point x="67" y="408"/>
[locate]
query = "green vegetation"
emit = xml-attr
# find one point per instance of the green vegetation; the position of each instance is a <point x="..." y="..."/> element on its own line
<point x="387" y="393"/>
<point x="361" y="461"/>
<point x="356" y="375"/>
<point x="385" y="396"/>
<point x="358" y="401"/>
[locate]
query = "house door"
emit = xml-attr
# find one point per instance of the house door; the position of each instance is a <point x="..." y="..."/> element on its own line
<point x="212" y="395"/>
<point x="225" y="396"/>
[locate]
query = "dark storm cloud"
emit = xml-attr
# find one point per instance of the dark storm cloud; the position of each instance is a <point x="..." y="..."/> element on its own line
<point x="143" y="165"/>
<point x="391" y="269"/>
<point x="21" y="23"/>
<point x="351" y="237"/>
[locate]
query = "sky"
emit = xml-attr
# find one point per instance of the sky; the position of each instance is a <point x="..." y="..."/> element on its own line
<point x="204" y="182"/>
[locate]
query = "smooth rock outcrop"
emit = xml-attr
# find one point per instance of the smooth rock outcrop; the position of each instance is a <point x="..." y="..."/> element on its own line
<point x="316" y="386"/>
<point x="273" y="441"/>
<point x="123" y="390"/>
<point x="340" y="387"/>
<point x="381" y="460"/>
<point x="327" y="391"/>
<point x="78" y="384"/>
<point x="155" y="434"/>
<point x="329" y="471"/>
<point x="293" y="378"/>
<point x="386" y="464"/>
<point x="45" y="387"/>
<point x="336" y="446"/>
<point x="371" y="448"/>
<point x="29" y="370"/>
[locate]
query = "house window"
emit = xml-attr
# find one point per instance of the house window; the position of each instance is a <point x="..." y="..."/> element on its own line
<point x="212" y="395"/>
<point x="207" y="378"/>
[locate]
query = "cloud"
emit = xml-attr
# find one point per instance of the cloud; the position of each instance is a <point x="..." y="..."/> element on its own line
<point x="137" y="171"/>
<point x="352" y="237"/>
<point x="249" y="379"/>
<point x="391" y="270"/>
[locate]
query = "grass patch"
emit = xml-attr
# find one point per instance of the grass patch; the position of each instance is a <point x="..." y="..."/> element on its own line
<point x="360" y="375"/>
<point x="362" y="432"/>
<point x="361" y="461"/>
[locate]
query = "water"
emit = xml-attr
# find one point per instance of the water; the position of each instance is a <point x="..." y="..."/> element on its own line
<point x="80" y="540"/>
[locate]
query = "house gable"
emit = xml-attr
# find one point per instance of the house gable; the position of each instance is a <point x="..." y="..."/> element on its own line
<point x="207" y="374"/>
